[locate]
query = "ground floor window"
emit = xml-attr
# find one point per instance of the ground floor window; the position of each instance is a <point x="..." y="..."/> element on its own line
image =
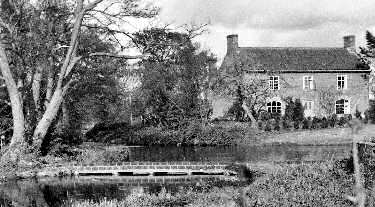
<point x="342" y="106"/>
<point x="274" y="107"/>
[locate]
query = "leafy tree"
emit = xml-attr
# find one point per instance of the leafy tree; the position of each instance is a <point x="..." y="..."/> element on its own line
<point x="42" y="41"/>
<point x="174" y="76"/>
<point x="327" y="99"/>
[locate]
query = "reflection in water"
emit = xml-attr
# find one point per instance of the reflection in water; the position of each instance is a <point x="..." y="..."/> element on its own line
<point x="57" y="192"/>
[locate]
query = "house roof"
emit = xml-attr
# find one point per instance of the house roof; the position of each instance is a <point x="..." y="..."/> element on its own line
<point x="294" y="59"/>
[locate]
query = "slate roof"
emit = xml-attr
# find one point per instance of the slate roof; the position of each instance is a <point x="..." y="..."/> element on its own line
<point x="298" y="59"/>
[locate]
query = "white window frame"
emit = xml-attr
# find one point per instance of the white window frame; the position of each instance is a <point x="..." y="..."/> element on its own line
<point x="308" y="103"/>
<point x="274" y="107"/>
<point x="310" y="80"/>
<point x="274" y="82"/>
<point x="308" y="106"/>
<point x="342" y="78"/>
<point x="346" y="106"/>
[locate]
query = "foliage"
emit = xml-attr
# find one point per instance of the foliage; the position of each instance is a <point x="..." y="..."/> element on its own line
<point x="294" y="110"/>
<point x="358" y="114"/>
<point x="290" y="107"/>
<point x="315" y="184"/>
<point x="195" y="133"/>
<point x="102" y="155"/>
<point x="174" y="77"/>
<point x="371" y="112"/>
<point x="44" y="44"/>
<point x="327" y="99"/>
<point x="298" y="112"/>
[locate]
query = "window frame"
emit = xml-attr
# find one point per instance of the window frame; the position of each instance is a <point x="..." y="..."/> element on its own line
<point x="274" y="107"/>
<point x="345" y="106"/>
<point x="310" y="80"/>
<point x="344" y="80"/>
<point x="307" y="103"/>
<point x="272" y="83"/>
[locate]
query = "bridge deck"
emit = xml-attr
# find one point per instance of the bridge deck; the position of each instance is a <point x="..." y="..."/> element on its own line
<point x="155" y="169"/>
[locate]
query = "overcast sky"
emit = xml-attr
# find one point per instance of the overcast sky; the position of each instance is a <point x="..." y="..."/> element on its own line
<point x="316" y="23"/>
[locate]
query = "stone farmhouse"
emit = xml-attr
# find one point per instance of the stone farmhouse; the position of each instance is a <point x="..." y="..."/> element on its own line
<point x="301" y="72"/>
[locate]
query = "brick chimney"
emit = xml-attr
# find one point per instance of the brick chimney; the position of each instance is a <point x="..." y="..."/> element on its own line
<point x="232" y="43"/>
<point x="349" y="43"/>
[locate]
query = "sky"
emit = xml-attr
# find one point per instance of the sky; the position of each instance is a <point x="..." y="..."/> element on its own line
<point x="273" y="23"/>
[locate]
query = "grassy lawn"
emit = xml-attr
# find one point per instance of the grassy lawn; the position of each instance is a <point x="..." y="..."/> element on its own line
<point x="318" y="137"/>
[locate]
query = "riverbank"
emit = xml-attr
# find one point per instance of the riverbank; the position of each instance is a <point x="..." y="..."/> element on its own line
<point x="318" y="137"/>
<point x="305" y="184"/>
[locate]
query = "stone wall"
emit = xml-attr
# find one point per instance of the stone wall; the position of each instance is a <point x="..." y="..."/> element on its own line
<point x="291" y="84"/>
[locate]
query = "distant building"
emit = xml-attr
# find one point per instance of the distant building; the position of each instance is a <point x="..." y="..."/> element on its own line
<point x="301" y="72"/>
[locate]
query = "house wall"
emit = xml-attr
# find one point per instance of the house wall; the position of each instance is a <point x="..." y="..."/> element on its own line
<point x="291" y="84"/>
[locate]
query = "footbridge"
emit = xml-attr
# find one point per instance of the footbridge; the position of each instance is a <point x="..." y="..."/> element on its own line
<point x="154" y="169"/>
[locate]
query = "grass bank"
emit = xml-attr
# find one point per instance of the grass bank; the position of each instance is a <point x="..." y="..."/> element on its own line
<point x="306" y="184"/>
<point x="228" y="133"/>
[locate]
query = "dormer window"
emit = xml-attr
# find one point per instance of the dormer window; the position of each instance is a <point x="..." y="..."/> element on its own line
<point x="342" y="82"/>
<point x="274" y="83"/>
<point x="308" y="82"/>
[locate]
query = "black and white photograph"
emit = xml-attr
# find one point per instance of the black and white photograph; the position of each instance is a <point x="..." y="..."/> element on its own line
<point x="195" y="103"/>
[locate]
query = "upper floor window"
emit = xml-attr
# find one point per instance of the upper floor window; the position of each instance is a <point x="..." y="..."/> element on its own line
<point x="342" y="82"/>
<point x="274" y="83"/>
<point x="342" y="106"/>
<point x="308" y="82"/>
<point x="274" y="107"/>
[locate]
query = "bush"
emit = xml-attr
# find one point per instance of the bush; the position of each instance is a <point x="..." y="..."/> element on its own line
<point x="103" y="155"/>
<point x="371" y="112"/>
<point x="358" y="114"/>
<point x="268" y="128"/>
<point x="316" y="123"/>
<point x="332" y="120"/>
<point x="325" y="123"/>
<point x="305" y="123"/>
<point x="193" y="133"/>
<point x="298" y="112"/>
<point x="365" y="120"/>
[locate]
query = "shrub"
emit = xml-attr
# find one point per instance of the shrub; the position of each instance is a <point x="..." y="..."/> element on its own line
<point x="332" y="120"/>
<point x="316" y="123"/>
<point x="305" y="123"/>
<point x="285" y="123"/>
<point x="342" y="121"/>
<point x="278" y="125"/>
<point x="365" y="120"/>
<point x="268" y="126"/>
<point x="358" y="114"/>
<point x="289" y="108"/>
<point x="260" y="125"/>
<point x="325" y="123"/>
<point x="371" y="112"/>
<point x="103" y="154"/>
<point x="298" y="112"/>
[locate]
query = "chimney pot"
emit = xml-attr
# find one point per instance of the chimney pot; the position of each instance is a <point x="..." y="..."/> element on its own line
<point x="349" y="43"/>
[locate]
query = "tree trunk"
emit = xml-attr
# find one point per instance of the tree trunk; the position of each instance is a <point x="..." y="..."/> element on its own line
<point x="18" y="138"/>
<point x="250" y="115"/>
<point x="36" y="89"/>
<point x="48" y="116"/>
<point x="49" y="85"/>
